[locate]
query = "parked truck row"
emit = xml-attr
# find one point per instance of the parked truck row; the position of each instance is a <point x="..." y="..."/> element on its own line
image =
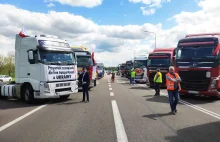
<point x="47" y="67"/>
<point x="196" y="59"/>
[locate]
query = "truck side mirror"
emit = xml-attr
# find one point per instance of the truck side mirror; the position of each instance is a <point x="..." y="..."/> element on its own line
<point x="31" y="59"/>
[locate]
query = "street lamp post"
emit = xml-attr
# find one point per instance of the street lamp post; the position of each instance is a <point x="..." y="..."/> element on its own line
<point x="134" y="56"/>
<point x="155" y="38"/>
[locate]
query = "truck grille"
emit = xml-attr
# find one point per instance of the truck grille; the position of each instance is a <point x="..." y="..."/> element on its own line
<point x="194" y="80"/>
<point x="62" y="84"/>
<point x="151" y="78"/>
<point x="63" y="89"/>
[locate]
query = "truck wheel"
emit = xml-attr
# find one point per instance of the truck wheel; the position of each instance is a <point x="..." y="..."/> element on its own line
<point x="64" y="97"/>
<point x="28" y="94"/>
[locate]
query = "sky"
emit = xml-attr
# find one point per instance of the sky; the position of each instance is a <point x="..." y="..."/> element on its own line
<point x="114" y="28"/>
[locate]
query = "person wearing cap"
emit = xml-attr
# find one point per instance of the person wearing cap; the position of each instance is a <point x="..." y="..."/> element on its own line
<point x="133" y="74"/>
<point x="157" y="82"/>
<point x="173" y="87"/>
<point x="85" y="85"/>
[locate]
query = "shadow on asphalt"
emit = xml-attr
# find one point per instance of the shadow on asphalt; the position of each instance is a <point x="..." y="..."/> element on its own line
<point x="200" y="133"/>
<point x="139" y="87"/>
<point x="155" y="116"/>
<point x="198" y="99"/>
<point x="159" y="99"/>
<point x="148" y="96"/>
<point x="14" y="103"/>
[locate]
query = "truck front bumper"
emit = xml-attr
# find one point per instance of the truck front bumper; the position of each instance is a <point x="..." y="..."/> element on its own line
<point x="56" y="89"/>
<point x="210" y="92"/>
<point x="142" y="80"/>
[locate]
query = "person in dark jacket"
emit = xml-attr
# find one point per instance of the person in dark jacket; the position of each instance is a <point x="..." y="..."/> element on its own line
<point x="85" y="84"/>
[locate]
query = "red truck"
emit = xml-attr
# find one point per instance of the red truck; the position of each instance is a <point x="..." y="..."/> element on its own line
<point x="197" y="62"/>
<point x="160" y="58"/>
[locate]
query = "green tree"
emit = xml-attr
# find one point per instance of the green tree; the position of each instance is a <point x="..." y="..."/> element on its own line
<point x="9" y="63"/>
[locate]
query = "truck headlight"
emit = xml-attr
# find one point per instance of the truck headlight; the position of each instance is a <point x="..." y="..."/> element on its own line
<point x="213" y="84"/>
<point x="46" y="87"/>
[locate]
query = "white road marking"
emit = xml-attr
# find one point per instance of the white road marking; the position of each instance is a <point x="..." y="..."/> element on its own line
<point x="111" y="94"/>
<point x="109" y="85"/>
<point x="197" y="107"/>
<point x="120" y="82"/>
<point x="97" y="83"/>
<point x="110" y="88"/>
<point x="120" y="130"/>
<point x="191" y="105"/>
<point x="20" y="118"/>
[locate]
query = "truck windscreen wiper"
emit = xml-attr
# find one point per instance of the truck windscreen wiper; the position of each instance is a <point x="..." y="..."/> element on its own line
<point x="55" y="63"/>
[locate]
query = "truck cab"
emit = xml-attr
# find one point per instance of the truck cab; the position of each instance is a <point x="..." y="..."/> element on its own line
<point x="45" y="67"/>
<point x="160" y="58"/>
<point x="101" y="71"/>
<point x="84" y="59"/>
<point x="122" y="69"/>
<point x="197" y="62"/>
<point x="140" y="68"/>
<point x="129" y="66"/>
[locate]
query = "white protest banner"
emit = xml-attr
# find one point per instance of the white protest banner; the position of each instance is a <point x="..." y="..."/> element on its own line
<point x="60" y="73"/>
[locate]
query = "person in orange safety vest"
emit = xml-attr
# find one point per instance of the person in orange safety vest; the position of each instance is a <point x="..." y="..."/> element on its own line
<point x="173" y="87"/>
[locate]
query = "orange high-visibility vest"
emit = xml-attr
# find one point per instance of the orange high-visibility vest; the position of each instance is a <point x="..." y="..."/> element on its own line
<point x="170" y="84"/>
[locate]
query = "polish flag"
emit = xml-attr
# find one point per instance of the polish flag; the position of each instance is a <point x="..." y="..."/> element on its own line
<point x="23" y="33"/>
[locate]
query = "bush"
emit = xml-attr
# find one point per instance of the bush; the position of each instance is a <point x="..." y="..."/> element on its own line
<point x="7" y="64"/>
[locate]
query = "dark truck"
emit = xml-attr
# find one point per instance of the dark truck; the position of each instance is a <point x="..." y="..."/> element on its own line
<point x="129" y="66"/>
<point x="122" y="69"/>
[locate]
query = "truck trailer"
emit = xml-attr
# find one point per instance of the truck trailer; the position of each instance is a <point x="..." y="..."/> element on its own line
<point x="160" y="58"/>
<point x="45" y="67"/>
<point x="197" y="62"/>
<point x="140" y="68"/>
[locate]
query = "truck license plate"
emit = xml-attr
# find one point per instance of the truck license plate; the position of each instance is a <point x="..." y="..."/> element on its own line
<point x="193" y="92"/>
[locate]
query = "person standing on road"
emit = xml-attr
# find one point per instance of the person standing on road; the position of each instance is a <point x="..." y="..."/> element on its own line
<point x="85" y="84"/>
<point x="113" y="76"/>
<point x="173" y="87"/>
<point x="157" y="82"/>
<point x="133" y="74"/>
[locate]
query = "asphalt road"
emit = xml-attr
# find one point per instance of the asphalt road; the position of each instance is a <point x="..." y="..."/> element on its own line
<point x="117" y="112"/>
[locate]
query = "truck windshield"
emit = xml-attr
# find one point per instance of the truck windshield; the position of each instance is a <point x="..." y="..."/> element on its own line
<point x="100" y="68"/>
<point x="84" y="61"/>
<point x="195" y="52"/>
<point x="122" y="67"/>
<point x="129" y="66"/>
<point x="140" y="63"/>
<point x="52" y="57"/>
<point x="158" y="62"/>
<point x="196" y="56"/>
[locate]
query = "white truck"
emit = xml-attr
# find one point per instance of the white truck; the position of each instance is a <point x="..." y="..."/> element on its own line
<point x="140" y="67"/>
<point x="45" y="67"/>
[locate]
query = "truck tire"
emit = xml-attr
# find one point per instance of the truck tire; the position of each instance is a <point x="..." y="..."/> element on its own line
<point x="64" y="97"/>
<point x="28" y="94"/>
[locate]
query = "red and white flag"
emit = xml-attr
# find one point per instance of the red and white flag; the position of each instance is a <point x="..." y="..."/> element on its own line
<point x="23" y="33"/>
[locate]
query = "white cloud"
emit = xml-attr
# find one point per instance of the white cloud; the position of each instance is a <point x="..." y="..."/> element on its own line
<point x="111" y="42"/>
<point x="148" y="11"/>
<point x="79" y="3"/>
<point x="50" y="5"/>
<point x="150" y="5"/>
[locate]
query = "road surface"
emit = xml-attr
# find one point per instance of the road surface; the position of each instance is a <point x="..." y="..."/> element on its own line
<point x="117" y="112"/>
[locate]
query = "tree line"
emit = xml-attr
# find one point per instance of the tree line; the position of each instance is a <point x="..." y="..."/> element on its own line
<point x="7" y="64"/>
